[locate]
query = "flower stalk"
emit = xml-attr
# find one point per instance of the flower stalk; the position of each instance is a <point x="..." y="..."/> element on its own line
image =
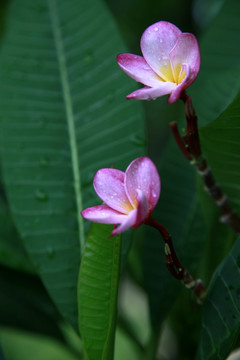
<point x="190" y="146"/>
<point x="174" y="265"/>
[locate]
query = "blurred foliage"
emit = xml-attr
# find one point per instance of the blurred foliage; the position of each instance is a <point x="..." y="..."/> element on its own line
<point x="34" y="115"/>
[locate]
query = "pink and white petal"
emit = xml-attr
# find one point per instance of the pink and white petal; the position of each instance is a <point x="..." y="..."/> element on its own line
<point x="129" y="221"/>
<point x="142" y="174"/>
<point x="142" y="208"/>
<point x="186" y="51"/>
<point x="176" y="93"/>
<point x="109" y="185"/>
<point x="137" y="68"/>
<point x="103" y="214"/>
<point x="156" y="43"/>
<point x="152" y="93"/>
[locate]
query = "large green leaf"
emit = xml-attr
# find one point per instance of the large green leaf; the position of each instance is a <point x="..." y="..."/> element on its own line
<point x="26" y="346"/>
<point x="97" y="292"/>
<point x="63" y="115"/>
<point x="221" y="146"/>
<point x="204" y="11"/>
<point x="25" y="304"/>
<point x="12" y="252"/>
<point x="221" y="324"/>
<point x="219" y="77"/>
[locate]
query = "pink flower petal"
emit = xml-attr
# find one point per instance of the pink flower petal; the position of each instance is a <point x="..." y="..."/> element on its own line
<point x="176" y="93"/>
<point x="130" y="220"/>
<point x="103" y="214"/>
<point x="136" y="67"/>
<point x="109" y="185"/>
<point x="186" y="51"/>
<point x="142" y="174"/>
<point x="147" y="93"/>
<point x="156" y="43"/>
<point x="142" y="208"/>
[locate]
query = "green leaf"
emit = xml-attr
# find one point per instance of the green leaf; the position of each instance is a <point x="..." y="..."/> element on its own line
<point x="28" y="346"/>
<point x="97" y="292"/>
<point x="221" y="146"/>
<point x="12" y="252"/>
<point x="63" y="115"/>
<point x="221" y="311"/>
<point x="219" y="77"/>
<point x="25" y="304"/>
<point x="204" y="11"/>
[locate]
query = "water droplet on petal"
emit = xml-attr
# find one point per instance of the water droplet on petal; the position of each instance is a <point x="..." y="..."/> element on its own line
<point x="154" y="195"/>
<point x="156" y="28"/>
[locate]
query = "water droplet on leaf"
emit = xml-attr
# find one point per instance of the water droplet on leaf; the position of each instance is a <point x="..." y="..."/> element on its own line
<point x="88" y="57"/>
<point x="50" y="252"/>
<point x="44" y="161"/>
<point x="137" y="140"/>
<point x="41" y="195"/>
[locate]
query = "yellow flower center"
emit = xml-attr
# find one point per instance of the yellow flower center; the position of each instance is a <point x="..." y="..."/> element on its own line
<point x="175" y="74"/>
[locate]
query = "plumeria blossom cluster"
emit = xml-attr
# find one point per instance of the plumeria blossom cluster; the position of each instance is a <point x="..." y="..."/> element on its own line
<point x="170" y="62"/>
<point x="129" y="196"/>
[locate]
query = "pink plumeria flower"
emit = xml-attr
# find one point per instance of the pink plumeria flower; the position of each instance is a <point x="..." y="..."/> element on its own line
<point x="129" y="197"/>
<point x="170" y="62"/>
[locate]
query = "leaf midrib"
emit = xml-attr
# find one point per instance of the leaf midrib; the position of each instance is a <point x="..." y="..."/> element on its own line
<point x="69" y="114"/>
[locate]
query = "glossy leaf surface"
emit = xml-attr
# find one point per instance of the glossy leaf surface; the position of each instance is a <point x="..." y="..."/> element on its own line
<point x="218" y="80"/>
<point x="97" y="292"/>
<point x="63" y="115"/>
<point x="221" y="324"/>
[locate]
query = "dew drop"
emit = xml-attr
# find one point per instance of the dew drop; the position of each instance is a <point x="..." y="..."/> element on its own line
<point x="41" y="195"/>
<point x="137" y="140"/>
<point x="156" y="28"/>
<point x="44" y="161"/>
<point x="50" y="252"/>
<point x="154" y="195"/>
<point x="88" y="57"/>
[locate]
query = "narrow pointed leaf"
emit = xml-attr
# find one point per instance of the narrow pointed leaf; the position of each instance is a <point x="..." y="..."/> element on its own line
<point x="97" y="292"/>
<point x="221" y="312"/>
<point x="63" y="115"/>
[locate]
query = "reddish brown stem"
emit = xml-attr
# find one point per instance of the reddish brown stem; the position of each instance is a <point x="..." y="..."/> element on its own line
<point x="191" y="148"/>
<point x="181" y="144"/>
<point x="174" y="265"/>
